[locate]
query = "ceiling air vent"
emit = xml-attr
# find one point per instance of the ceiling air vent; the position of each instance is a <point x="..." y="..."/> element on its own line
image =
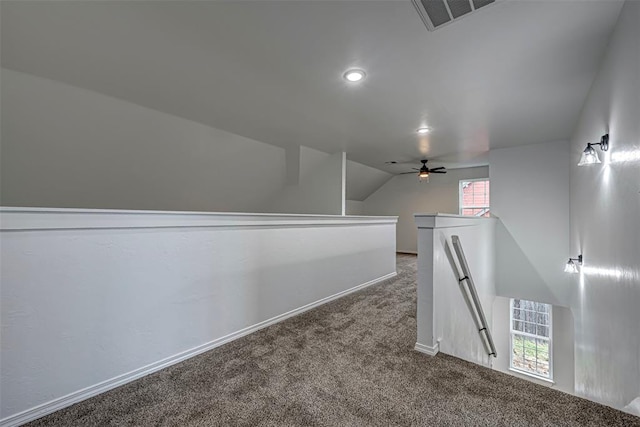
<point x="436" y="13"/>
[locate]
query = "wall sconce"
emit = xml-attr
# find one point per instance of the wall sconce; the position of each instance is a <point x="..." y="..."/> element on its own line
<point x="572" y="264"/>
<point x="589" y="155"/>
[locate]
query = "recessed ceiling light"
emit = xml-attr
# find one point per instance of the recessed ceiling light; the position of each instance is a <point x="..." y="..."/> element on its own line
<point x="423" y="130"/>
<point x="354" y="75"/>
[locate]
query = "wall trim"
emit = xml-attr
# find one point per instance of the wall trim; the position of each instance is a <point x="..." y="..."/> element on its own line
<point x="22" y="219"/>
<point x="83" y="394"/>
<point x="431" y="351"/>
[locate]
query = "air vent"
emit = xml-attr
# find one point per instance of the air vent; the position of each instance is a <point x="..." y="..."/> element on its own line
<point x="479" y="3"/>
<point x="459" y="7"/>
<point x="436" y="13"/>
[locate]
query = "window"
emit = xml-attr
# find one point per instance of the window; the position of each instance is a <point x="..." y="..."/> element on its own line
<point x="531" y="338"/>
<point x="474" y="197"/>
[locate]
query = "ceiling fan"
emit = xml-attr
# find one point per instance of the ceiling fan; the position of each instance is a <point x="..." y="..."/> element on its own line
<point x="424" y="171"/>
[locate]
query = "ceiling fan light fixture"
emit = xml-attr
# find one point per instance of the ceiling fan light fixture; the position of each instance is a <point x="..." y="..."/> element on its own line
<point x="424" y="172"/>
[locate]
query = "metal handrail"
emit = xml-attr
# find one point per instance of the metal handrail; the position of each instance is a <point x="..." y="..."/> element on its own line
<point x="457" y="246"/>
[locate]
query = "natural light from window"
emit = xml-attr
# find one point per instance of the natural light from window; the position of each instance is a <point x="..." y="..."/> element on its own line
<point x="474" y="197"/>
<point x="531" y="338"/>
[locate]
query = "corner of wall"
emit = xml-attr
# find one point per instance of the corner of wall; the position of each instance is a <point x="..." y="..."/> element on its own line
<point x="320" y="189"/>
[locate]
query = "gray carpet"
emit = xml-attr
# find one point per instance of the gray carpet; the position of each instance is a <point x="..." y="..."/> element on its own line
<point x="348" y="363"/>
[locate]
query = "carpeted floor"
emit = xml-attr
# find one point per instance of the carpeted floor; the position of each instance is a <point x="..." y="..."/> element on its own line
<point x="348" y="363"/>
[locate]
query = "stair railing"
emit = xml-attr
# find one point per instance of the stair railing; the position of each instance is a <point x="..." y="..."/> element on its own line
<point x="479" y="312"/>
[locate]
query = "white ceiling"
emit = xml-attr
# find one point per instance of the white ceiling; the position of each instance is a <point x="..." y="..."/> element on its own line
<point x="512" y="73"/>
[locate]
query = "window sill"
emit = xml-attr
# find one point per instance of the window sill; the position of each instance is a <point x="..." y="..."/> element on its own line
<point x="532" y="376"/>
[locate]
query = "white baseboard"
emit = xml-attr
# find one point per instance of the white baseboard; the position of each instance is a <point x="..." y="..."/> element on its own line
<point x="83" y="394"/>
<point x="431" y="351"/>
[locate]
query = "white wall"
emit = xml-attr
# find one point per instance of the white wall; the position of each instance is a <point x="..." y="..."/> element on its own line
<point x="444" y="318"/>
<point x="561" y="348"/>
<point x="92" y="299"/>
<point x="600" y="206"/>
<point x="403" y="196"/>
<point x="64" y="146"/>
<point x="320" y="188"/>
<point x="605" y="225"/>
<point x="530" y="196"/>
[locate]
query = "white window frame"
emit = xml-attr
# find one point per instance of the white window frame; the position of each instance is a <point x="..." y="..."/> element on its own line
<point x="513" y="332"/>
<point x="461" y="198"/>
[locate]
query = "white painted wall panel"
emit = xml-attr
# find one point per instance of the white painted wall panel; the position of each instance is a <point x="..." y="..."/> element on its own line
<point x="444" y="317"/>
<point x="605" y="225"/>
<point x="85" y="304"/>
<point x="530" y="196"/>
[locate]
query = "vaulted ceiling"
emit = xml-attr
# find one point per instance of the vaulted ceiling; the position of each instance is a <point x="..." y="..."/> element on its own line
<point x="516" y="72"/>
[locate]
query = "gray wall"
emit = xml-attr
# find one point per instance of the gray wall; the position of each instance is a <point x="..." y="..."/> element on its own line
<point x="319" y="188"/>
<point x="355" y="207"/>
<point x="605" y="225"/>
<point x="63" y="146"/>
<point x="404" y="196"/>
<point x="363" y="180"/>
<point x="530" y="196"/>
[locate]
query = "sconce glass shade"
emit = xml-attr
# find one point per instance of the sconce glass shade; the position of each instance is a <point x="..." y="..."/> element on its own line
<point x="571" y="267"/>
<point x="589" y="156"/>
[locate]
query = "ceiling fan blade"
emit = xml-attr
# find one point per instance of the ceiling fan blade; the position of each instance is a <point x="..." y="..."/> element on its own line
<point x="415" y="169"/>
<point x="438" y="168"/>
<point x="432" y="171"/>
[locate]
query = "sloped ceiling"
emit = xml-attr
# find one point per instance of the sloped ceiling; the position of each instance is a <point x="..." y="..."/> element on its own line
<point x="363" y="180"/>
<point x="514" y="73"/>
